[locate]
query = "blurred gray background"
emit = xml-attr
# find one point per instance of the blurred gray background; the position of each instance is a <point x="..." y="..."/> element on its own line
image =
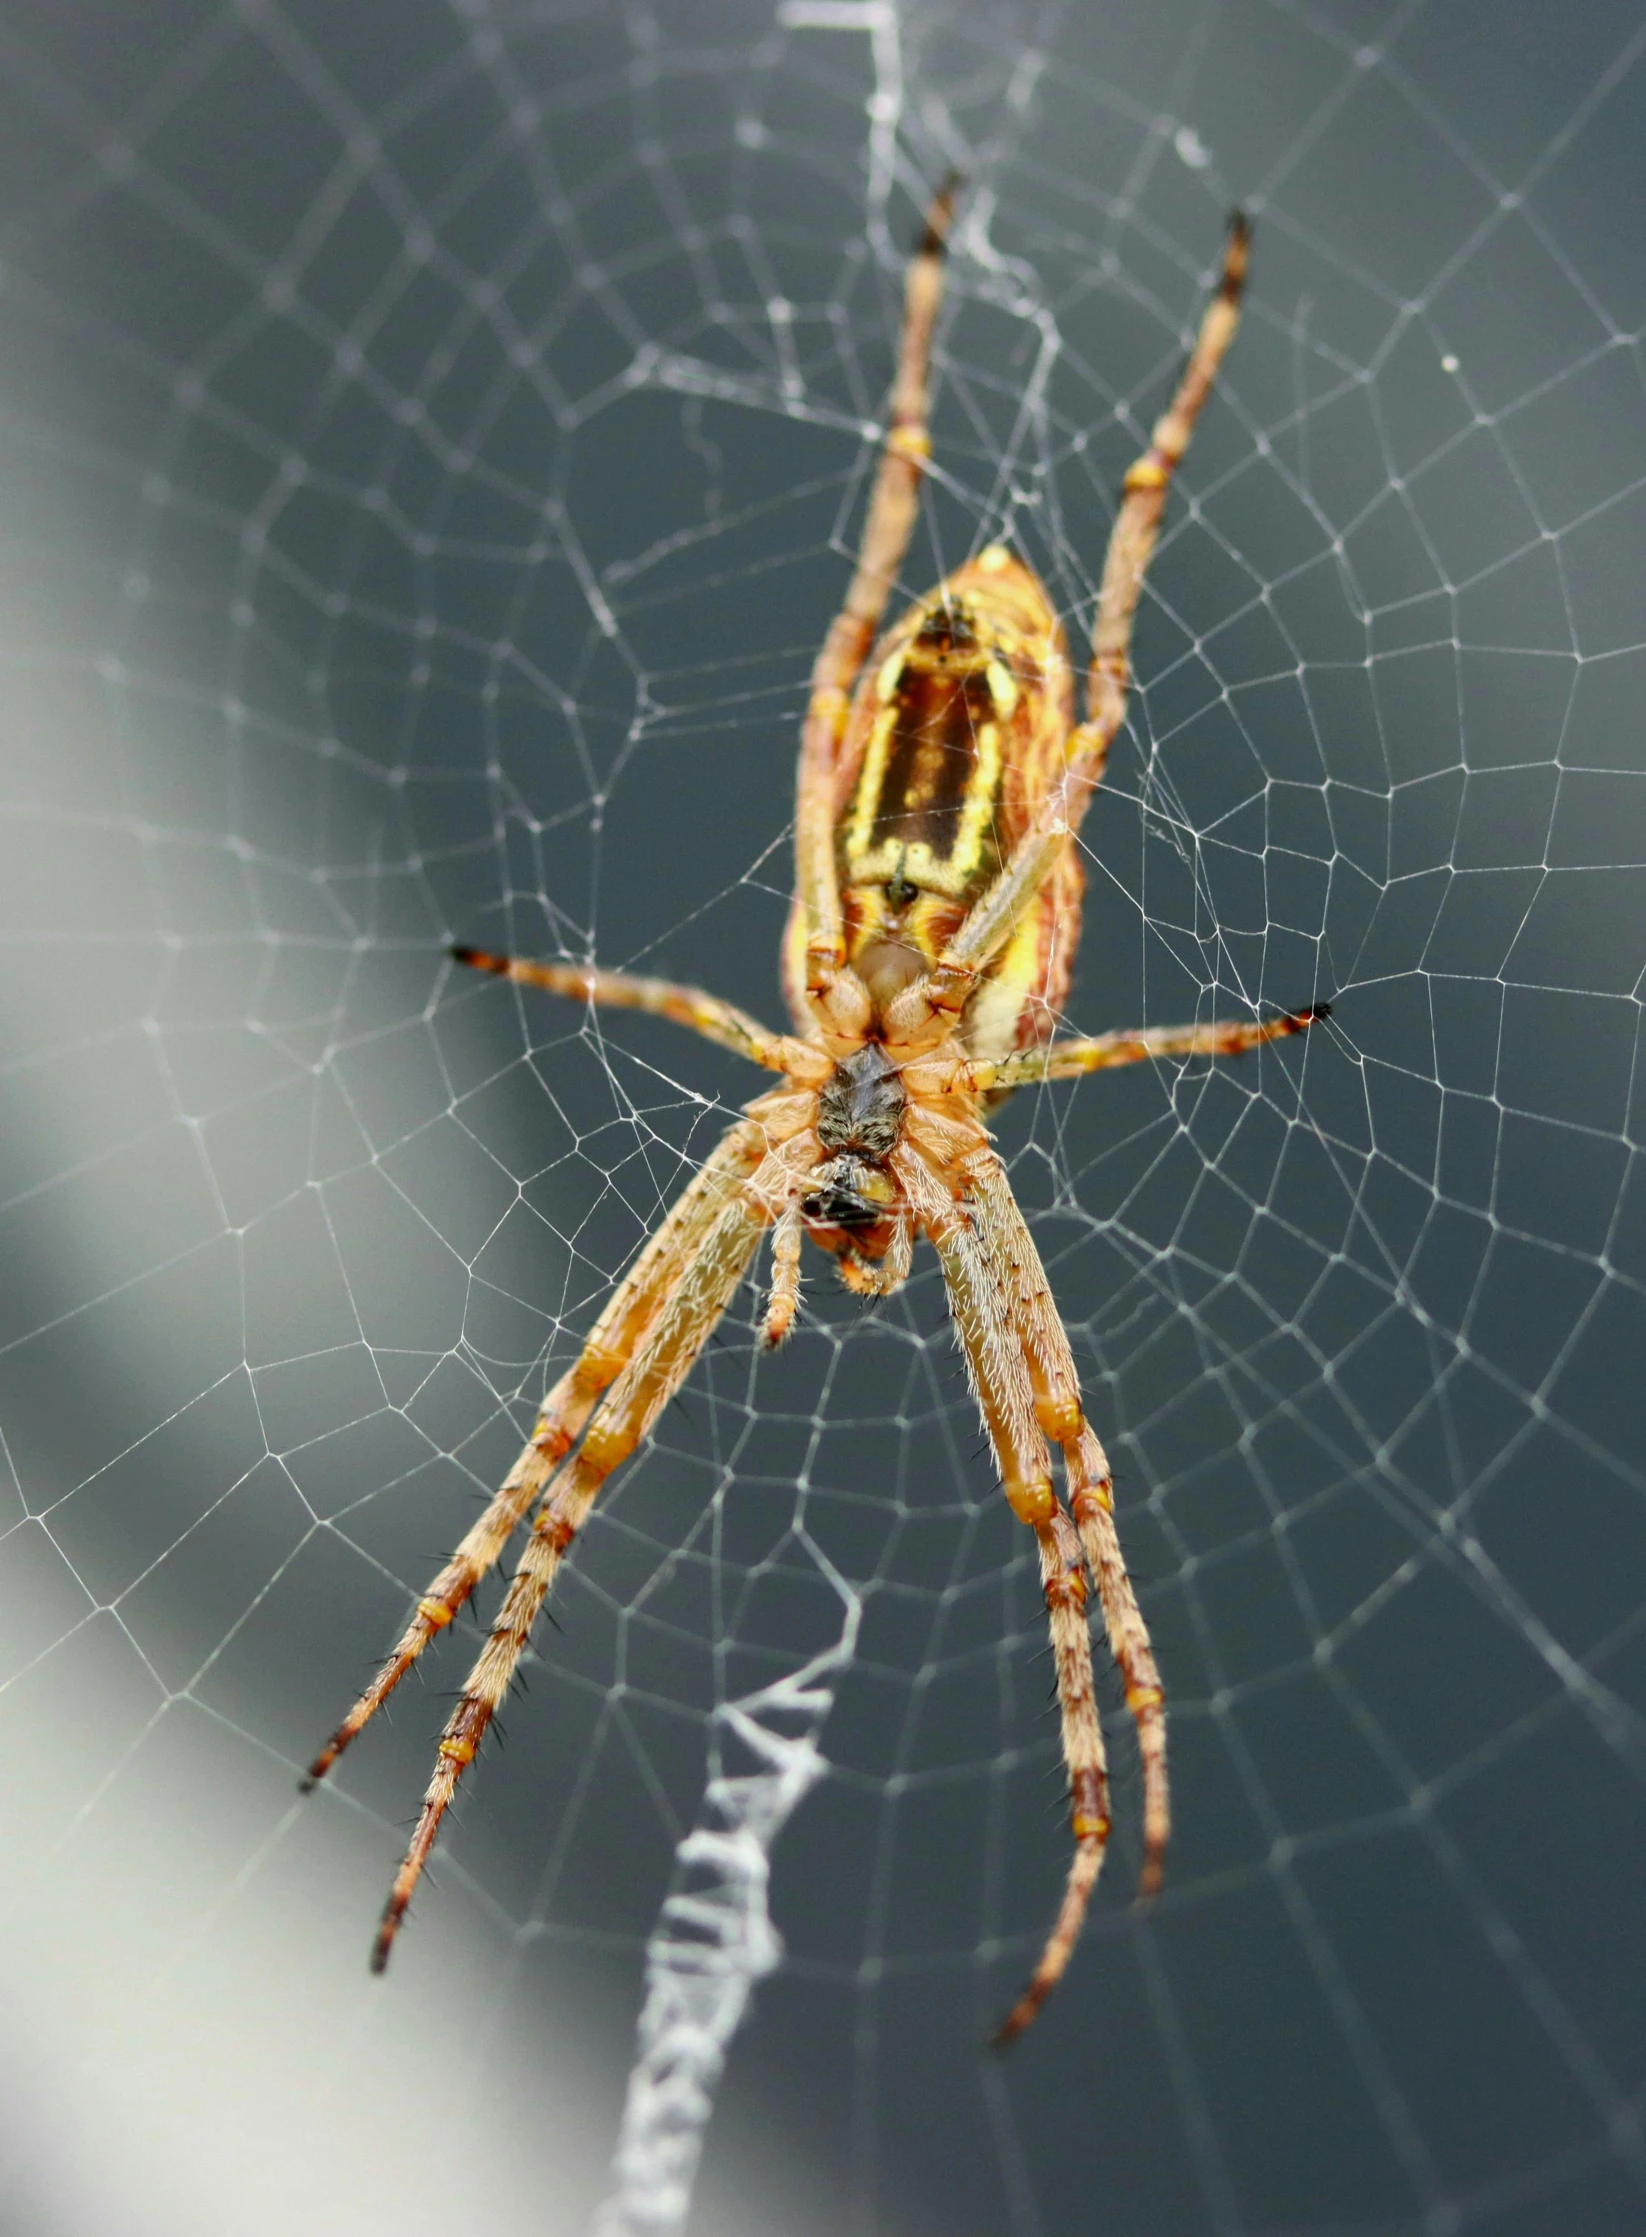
<point x="433" y="438"/>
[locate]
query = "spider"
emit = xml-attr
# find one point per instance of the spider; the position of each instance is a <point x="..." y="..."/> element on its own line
<point x="938" y="884"/>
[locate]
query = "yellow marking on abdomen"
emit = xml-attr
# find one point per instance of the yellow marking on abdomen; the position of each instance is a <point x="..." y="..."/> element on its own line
<point x="871" y="779"/>
<point x="977" y="818"/>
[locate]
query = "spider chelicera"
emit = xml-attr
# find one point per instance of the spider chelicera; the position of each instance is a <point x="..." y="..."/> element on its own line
<point x="938" y="889"/>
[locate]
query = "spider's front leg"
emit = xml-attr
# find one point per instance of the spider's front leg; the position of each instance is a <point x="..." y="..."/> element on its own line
<point x="629" y="1313"/>
<point x="707" y="1279"/>
<point x="1024" y="1375"/>
<point x="1039" y="1331"/>
<point x="1063" y="1583"/>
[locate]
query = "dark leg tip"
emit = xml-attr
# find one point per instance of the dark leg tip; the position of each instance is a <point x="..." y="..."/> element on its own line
<point x="321" y="1765"/>
<point x="934" y="235"/>
<point x="460" y="954"/>
<point x="1299" y="1021"/>
<point x="1236" y="255"/>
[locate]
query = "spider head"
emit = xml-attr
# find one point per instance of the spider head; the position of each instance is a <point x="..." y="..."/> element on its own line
<point x="860" y="1107"/>
<point x="859" y="1117"/>
<point x="849" y="1194"/>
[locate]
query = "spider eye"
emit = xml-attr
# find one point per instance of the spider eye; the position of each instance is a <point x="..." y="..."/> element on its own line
<point x="901" y="892"/>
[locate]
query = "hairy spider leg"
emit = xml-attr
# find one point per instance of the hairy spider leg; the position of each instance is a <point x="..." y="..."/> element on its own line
<point x="931" y="1004"/>
<point x="865" y="1277"/>
<point x="1053" y="1374"/>
<point x="629" y="1313"/>
<point x="731" y="1028"/>
<point x="1071" y="1060"/>
<point x="784" y="1300"/>
<point x="1091" y="1502"/>
<point x="810" y="963"/>
<point x="721" y="1022"/>
<point x="1063" y="1582"/>
<point x="995" y="1364"/>
<point x="1014" y="1403"/>
<point x="1137" y="523"/>
<point x="647" y="1382"/>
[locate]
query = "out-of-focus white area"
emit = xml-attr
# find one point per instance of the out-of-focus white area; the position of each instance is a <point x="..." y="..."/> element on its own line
<point x="192" y="2044"/>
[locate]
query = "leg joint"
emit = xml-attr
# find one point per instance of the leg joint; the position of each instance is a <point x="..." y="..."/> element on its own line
<point x="557" y="1530"/>
<point x="1067" y="1589"/>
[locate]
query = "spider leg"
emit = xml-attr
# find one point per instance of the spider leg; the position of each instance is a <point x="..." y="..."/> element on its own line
<point x="785" y="1292"/>
<point x="1137" y="524"/>
<point x="866" y="1277"/>
<point x="1131" y="546"/>
<point x="629" y="1313"/>
<point x="1091" y="1494"/>
<point x="1091" y="1501"/>
<point x="995" y="1361"/>
<point x="819" y="952"/>
<point x="981" y="1280"/>
<point x="633" y="1403"/>
<point x="1070" y="1060"/>
<point x="1063" y="1579"/>
<point x="717" y="1021"/>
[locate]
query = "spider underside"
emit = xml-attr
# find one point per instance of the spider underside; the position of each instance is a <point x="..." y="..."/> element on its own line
<point x="937" y="909"/>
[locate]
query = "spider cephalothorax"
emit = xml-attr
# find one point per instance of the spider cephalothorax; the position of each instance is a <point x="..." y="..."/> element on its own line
<point x="937" y="907"/>
<point x="860" y="1110"/>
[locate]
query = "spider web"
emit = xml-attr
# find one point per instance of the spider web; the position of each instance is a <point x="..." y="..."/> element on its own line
<point x="434" y="441"/>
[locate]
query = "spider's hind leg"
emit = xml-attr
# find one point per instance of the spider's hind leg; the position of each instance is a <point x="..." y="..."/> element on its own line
<point x="995" y="915"/>
<point x="815" y="948"/>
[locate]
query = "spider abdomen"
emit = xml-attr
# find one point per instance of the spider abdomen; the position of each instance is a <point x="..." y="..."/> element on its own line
<point x="956" y="735"/>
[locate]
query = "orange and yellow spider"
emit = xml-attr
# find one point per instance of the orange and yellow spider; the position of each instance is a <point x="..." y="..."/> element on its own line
<point x="937" y="908"/>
